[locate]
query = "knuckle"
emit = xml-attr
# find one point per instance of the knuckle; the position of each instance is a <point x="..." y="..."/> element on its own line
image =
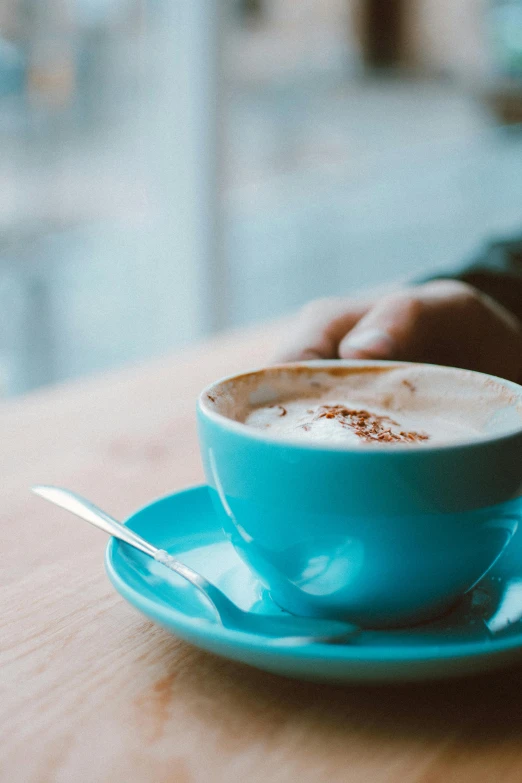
<point x="457" y="290"/>
<point x="409" y="304"/>
<point x="463" y="290"/>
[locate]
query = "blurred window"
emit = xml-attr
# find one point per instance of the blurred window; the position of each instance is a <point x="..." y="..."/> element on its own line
<point x="170" y="167"/>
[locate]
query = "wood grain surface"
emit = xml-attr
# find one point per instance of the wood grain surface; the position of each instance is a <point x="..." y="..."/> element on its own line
<point x="92" y="691"/>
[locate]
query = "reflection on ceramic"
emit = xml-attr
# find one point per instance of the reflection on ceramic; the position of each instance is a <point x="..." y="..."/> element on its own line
<point x="507" y="608"/>
<point x="482" y="631"/>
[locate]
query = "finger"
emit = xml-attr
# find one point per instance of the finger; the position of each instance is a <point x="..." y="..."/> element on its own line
<point x="390" y="330"/>
<point x="320" y="327"/>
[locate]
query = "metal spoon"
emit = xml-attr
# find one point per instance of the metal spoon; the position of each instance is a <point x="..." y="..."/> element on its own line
<point x="307" y="630"/>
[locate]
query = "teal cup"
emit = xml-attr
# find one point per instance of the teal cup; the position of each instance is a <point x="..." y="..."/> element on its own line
<point x="383" y="536"/>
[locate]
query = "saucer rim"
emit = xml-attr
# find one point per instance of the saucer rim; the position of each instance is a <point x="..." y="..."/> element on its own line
<point x="200" y="627"/>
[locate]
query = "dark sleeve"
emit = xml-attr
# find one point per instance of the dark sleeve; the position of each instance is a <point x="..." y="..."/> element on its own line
<point x="496" y="271"/>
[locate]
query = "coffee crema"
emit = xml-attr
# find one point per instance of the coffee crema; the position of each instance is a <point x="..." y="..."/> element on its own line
<point x="403" y="404"/>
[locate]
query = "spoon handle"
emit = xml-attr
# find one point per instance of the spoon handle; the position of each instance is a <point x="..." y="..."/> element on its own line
<point x="86" y="510"/>
<point x="229" y="614"/>
<point x="74" y="503"/>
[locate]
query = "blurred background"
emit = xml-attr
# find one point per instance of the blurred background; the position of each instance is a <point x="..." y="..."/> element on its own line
<point x="171" y="168"/>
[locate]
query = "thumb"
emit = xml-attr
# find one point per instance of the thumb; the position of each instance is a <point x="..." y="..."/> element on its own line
<point x="387" y="331"/>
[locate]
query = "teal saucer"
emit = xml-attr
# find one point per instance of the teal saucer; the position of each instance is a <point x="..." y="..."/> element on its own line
<point x="483" y="632"/>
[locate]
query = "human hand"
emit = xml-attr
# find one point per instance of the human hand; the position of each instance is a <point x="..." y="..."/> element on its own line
<point x="440" y="322"/>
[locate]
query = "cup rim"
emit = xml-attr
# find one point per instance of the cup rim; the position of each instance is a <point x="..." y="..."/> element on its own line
<point x="250" y="433"/>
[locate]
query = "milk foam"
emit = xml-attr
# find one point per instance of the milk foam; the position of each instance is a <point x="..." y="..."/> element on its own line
<point x="357" y="406"/>
<point x="309" y="420"/>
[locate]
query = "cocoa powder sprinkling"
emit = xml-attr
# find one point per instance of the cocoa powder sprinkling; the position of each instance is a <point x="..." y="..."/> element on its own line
<point x="369" y="426"/>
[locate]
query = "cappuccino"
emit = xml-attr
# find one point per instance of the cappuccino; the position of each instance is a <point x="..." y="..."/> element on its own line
<point x="410" y="405"/>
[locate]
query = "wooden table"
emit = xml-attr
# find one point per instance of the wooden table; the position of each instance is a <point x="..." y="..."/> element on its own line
<point x="93" y="692"/>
